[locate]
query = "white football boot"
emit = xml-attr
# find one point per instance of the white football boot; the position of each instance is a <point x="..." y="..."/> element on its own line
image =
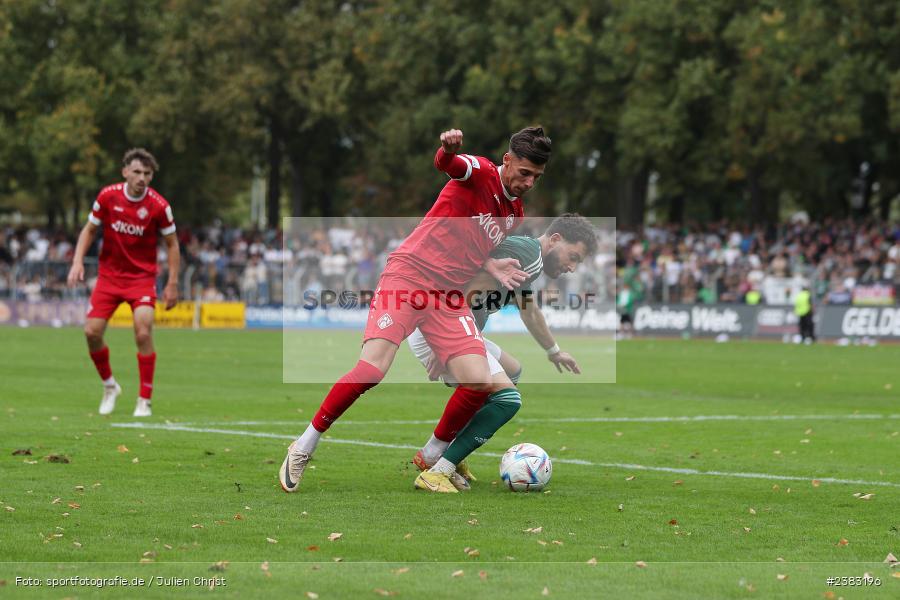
<point x="142" y="408"/>
<point x="292" y="468"/>
<point x="108" y="403"/>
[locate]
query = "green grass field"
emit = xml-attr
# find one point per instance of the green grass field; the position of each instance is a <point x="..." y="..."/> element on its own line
<point x="758" y="505"/>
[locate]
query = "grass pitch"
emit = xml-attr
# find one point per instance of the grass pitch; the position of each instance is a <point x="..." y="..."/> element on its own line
<point x="762" y="489"/>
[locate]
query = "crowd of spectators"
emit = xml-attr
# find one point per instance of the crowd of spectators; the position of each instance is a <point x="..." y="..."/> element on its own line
<point x="713" y="262"/>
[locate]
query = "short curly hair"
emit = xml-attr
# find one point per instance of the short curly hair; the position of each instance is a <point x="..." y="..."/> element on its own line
<point x="574" y="228"/>
<point x="143" y="155"/>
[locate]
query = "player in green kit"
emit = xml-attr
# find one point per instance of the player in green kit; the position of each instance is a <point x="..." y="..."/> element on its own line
<point x="568" y="240"/>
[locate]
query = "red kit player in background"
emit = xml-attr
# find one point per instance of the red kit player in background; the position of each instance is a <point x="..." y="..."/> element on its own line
<point x="133" y="217"/>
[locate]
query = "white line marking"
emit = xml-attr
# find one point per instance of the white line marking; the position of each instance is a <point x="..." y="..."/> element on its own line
<point x="570" y="461"/>
<point x="690" y="419"/>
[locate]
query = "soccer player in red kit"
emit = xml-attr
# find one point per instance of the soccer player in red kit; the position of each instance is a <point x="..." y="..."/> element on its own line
<point x="472" y="215"/>
<point x="133" y="217"/>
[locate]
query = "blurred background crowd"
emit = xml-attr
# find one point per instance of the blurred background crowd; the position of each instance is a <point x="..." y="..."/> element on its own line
<point x="692" y="263"/>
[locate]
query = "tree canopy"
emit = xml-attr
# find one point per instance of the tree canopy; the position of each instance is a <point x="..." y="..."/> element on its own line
<point x="734" y="109"/>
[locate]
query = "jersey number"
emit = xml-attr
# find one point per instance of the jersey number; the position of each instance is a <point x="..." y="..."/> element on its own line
<point x="473" y="330"/>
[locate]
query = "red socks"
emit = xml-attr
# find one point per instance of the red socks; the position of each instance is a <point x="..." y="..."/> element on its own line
<point x="101" y="361"/>
<point x="363" y="377"/>
<point x="146" y="365"/>
<point x="461" y="407"/>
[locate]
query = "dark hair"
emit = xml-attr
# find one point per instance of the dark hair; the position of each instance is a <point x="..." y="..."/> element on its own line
<point x="142" y="155"/>
<point x="574" y="228"/>
<point x="531" y="144"/>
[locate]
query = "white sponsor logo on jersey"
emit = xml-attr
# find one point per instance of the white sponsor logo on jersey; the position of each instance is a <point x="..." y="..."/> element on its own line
<point x="122" y="227"/>
<point x="118" y="209"/>
<point x="142" y="213"/>
<point x="510" y="221"/>
<point x="490" y="226"/>
<point x="385" y="321"/>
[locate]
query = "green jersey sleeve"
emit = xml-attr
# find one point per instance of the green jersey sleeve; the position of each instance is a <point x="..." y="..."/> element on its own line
<point x="527" y="251"/>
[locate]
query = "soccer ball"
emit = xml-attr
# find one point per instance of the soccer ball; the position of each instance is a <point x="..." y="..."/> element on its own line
<point x="526" y="468"/>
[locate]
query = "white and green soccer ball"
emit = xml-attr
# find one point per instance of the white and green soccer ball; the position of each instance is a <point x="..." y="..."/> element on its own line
<point x="526" y="468"/>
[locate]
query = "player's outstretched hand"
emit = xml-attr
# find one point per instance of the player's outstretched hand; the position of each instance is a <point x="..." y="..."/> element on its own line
<point x="507" y="272"/>
<point x="76" y="274"/>
<point x="170" y="296"/>
<point x="564" y="360"/>
<point x="451" y="141"/>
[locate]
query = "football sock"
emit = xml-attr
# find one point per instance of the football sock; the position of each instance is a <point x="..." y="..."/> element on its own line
<point x="443" y="466"/>
<point x="309" y="440"/>
<point x="500" y="407"/>
<point x="101" y="361"/>
<point x="146" y="366"/>
<point x="463" y="404"/>
<point x="111" y="382"/>
<point x="516" y="376"/>
<point x="433" y="449"/>
<point x="361" y="378"/>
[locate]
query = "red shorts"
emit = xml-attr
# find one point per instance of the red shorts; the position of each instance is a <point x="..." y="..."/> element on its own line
<point x="108" y="295"/>
<point x="402" y="303"/>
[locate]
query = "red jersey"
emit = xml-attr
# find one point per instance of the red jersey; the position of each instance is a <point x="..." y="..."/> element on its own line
<point x="471" y="216"/>
<point x="131" y="230"/>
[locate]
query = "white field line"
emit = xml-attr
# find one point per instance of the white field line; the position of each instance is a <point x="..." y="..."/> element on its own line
<point x="570" y="461"/>
<point x="690" y="419"/>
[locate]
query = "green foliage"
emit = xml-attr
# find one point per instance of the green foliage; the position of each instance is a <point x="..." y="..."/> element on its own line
<point x="733" y="104"/>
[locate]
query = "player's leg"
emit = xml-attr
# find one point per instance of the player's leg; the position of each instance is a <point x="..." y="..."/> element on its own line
<point x="510" y="364"/>
<point x="374" y="361"/>
<point x="146" y="357"/>
<point x="501" y="406"/>
<point x="103" y="304"/>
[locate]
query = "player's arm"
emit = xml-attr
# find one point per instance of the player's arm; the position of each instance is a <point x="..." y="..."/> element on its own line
<point x="170" y="293"/>
<point x="448" y="160"/>
<point x="537" y="326"/>
<point x="85" y="239"/>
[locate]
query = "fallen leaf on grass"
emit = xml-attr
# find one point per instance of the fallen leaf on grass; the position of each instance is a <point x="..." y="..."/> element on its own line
<point x="56" y="501"/>
<point x="779" y="559"/>
<point x="65" y="514"/>
<point x="862" y="496"/>
<point x="400" y="571"/>
<point x="335" y="536"/>
<point x="135" y="460"/>
<point x="483" y="575"/>
<point x="74" y="505"/>
<point x="640" y="564"/>
<point x="630" y="478"/>
<point x="781" y="577"/>
<point x="891" y="560"/>
<point x="122" y="448"/>
<point x="76" y="544"/>
<point x="149" y="554"/>
<point x="557" y="542"/>
<point x="382" y="592"/>
<point x="673" y="522"/>
<point x="472" y="521"/>
<point x="843" y="542"/>
<point x="9" y="508"/>
<point x="239" y="517"/>
<point x="816" y="483"/>
<point x="167" y="546"/>
<point x="219" y="566"/>
<point x="196" y="526"/>
<point x="459" y="573"/>
<point x="312" y="548"/>
<point x="58" y="458"/>
<point x="621" y="507"/>
<point x="533" y="530"/>
<point x="337" y="559"/>
<point x="746" y="530"/>
<point x="22" y="452"/>
<point x="752" y="511"/>
<point x="545" y="591"/>
<point x="407" y="536"/>
<point x="677" y="482"/>
<point x="542" y="542"/>
<point x="271" y="540"/>
<point x="264" y="567"/>
<point x="473" y="553"/>
<point x="896" y="574"/>
<point x="592" y="561"/>
<point x="312" y="595"/>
